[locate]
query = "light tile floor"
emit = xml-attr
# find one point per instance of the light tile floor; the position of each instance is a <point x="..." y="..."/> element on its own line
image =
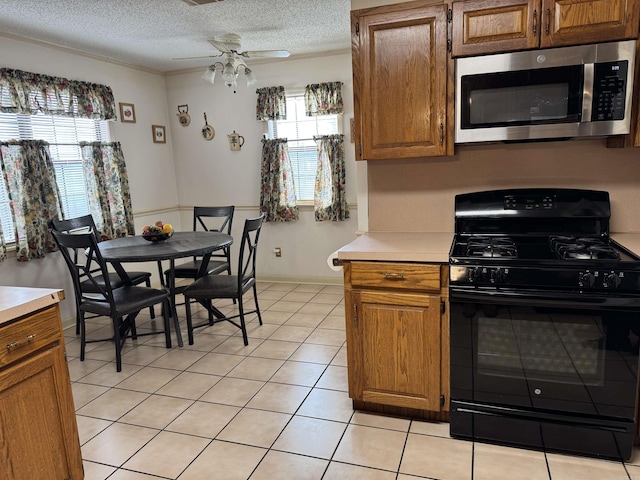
<point x="276" y="409"/>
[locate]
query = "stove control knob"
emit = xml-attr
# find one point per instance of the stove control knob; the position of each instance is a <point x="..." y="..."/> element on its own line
<point x="612" y="280"/>
<point x="586" y="279"/>
<point x="497" y="275"/>
<point x="475" y="274"/>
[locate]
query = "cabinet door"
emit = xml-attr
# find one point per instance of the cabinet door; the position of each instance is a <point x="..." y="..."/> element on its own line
<point x="400" y="82"/>
<point x="574" y="22"/>
<point x="38" y="433"/>
<point x="495" y="26"/>
<point x="397" y="356"/>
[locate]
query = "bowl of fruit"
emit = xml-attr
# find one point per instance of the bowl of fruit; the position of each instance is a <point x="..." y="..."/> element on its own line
<point x="157" y="232"/>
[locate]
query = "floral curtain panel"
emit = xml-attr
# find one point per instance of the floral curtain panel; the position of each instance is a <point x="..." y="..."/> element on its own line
<point x="107" y="183"/>
<point x="272" y="104"/>
<point x="29" y="93"/>
<point x="33" y="195"/>
<point x="277" y="197"/>
<point x="3" y="246"/>
<point x="323" y="99"/>
<point x="330" y="202"/>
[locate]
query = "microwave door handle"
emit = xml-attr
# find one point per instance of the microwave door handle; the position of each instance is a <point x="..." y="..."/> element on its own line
<point x="587" y="92"/>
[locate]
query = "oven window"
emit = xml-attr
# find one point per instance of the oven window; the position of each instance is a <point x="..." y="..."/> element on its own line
<point x="556" y="358"/>
<point x="552" y="347"/>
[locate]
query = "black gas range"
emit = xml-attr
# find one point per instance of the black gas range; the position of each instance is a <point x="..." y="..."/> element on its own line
<point x="533" y="238"/>
<point x="545" y="322"/>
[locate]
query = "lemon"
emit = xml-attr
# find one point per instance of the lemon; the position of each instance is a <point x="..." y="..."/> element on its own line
<point x="167" y="228"/>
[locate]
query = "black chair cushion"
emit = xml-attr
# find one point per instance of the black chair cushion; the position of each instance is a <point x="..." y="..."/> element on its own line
<point x="217" y="286"/>
<point x="190" y="269"/>
<point x="128" y="299"/>
<point x="115" y="280"/>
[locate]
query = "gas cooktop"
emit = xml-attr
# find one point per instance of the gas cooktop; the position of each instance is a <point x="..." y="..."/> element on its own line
<point x="539" y="238"/>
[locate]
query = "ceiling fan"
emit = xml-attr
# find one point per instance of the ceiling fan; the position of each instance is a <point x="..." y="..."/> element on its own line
<point x="229" y="46"/>
<point x="230" y="43"/>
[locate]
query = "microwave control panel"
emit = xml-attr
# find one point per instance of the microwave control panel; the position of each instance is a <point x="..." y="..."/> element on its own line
<point x="609" y="91"/>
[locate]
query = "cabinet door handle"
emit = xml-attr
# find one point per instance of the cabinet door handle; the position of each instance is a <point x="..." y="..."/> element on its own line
<point x="548" y="27"/>
<point x="535" y="22"/>
<point x="441" y="133"/>
<point x="393" y="276"/>
<point x="13" y="345"/>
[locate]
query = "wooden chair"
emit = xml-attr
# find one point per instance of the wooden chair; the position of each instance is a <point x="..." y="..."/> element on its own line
<point x="85" y="223"/>
<point x="122" y="304"/>
<point x="210" y="287"/>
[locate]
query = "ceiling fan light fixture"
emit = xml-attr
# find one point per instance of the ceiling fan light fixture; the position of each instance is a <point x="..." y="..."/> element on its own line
<point x="250" y="76"/>
<point x="229" y="75"/>
<point x="209" y="74"/>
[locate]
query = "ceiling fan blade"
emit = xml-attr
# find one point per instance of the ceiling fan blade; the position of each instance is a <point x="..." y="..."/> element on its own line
<point x="265" y="54"/>
<point x="223" y="47"/>
<point x="195" y="58"/>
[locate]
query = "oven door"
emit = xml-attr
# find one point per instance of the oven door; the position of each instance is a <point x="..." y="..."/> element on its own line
<point x="537" y="358"/>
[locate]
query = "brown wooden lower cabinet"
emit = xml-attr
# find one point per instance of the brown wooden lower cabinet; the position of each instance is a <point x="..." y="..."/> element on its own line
<point x="398" y="337"/>
<point x="38" y="431"/>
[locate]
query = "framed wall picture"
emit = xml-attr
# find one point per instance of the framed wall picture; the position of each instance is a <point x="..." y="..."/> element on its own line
<point x="127" y="113"/>
<point x="158" y="134"/>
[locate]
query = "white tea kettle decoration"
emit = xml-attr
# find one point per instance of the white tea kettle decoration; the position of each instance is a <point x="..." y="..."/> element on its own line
<point x="236" y="141"/>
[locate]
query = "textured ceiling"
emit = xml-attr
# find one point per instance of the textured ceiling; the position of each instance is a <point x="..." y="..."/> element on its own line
<point x="151" y="33"/>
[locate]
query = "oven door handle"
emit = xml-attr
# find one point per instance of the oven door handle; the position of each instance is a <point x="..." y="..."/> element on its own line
<point x="543" y="298"/>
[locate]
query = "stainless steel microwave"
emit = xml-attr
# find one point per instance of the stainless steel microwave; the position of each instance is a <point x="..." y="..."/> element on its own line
<point x="562" y="92"/>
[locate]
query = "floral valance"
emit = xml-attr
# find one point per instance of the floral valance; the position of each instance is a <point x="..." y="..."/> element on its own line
<point x="29" y="93"/>
<point x="272" y="104"/>
<point x="323" y="99"/>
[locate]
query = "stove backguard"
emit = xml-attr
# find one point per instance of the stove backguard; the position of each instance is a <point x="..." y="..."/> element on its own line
<point x="533" y="211"/>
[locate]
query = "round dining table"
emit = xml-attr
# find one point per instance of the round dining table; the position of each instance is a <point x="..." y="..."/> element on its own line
<point x="180" y="245"/>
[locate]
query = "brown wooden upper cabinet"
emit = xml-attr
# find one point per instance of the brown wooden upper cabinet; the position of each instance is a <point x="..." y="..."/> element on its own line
<point x="496" y="26"/>
<point x="399" y="55"/>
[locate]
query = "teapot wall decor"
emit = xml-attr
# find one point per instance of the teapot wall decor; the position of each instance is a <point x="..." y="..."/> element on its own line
<point x="183" y="115"/>
<point x="236" y="141"/>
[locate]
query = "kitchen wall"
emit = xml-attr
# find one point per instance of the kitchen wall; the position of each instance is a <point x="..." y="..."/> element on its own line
<point x="167" y="180"/>
<point x="209" y="173"/>
<point x="418" y="195"/>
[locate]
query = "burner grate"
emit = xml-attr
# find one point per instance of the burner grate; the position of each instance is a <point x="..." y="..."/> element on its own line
<point x="585" y="248"/>
<point x="480" y="246"/>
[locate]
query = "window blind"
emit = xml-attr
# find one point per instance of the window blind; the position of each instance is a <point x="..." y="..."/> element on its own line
<point x="63" y="135"/>
<point x="299" y="130"/>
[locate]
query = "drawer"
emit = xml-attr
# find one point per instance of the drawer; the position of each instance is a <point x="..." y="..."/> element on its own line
<point x="406" y="276"/>
<point x="25" y="336"/>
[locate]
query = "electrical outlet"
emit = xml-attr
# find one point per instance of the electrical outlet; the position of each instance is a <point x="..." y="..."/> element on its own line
<point x="277" y="251"/>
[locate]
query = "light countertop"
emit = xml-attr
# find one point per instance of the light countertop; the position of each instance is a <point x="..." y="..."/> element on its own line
<point x="18" y="301"/>
<point x="428" y="247"/>
<point x="399" y="247"/>
<point x="629" y="240"/>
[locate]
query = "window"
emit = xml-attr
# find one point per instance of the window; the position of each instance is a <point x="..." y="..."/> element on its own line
<point x="63" y="135"/>
<point x="299" y="130"/>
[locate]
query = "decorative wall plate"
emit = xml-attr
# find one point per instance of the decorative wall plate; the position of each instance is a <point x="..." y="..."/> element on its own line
<point x="208" y="131"/>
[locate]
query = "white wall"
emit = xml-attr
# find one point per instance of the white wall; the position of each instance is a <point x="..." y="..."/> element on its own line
<point x="209" y="173"/>
<point x="167" y="180"/>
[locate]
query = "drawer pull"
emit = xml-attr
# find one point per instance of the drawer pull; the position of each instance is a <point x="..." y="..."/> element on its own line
<point x="393" y="276"/>
<point x="13" y="345"/>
